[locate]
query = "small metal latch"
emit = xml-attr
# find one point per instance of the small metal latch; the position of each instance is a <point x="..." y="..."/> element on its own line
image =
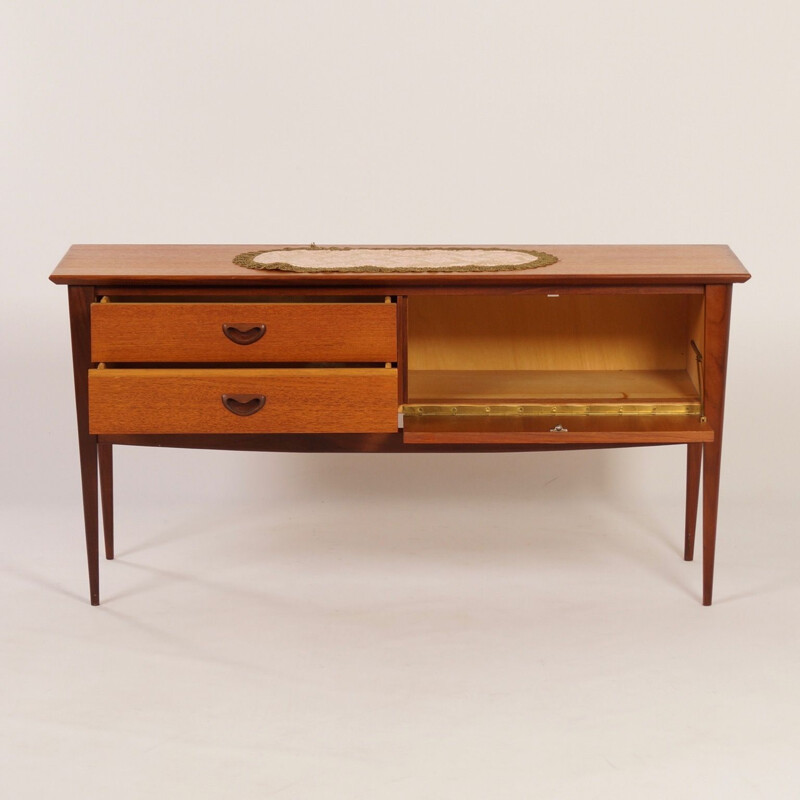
<point x="559" y="429"/>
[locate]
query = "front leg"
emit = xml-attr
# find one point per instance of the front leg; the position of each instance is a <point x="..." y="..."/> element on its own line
<point x="717" y="325"/>
<point x="107" y="495"/>
<point x="694" y="458"/>
<point x="80" y="303"/>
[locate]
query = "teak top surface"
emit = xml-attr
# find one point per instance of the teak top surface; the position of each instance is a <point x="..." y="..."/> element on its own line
<point x="100" y="264"/>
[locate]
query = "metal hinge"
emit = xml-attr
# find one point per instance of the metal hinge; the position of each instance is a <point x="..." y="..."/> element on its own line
<point x="700" y="382"/>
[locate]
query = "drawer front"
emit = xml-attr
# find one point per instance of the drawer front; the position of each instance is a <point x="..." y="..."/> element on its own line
<point x="123" y="401"/>
<point x="244" y="332"/>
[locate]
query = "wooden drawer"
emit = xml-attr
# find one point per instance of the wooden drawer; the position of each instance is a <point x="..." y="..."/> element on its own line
<point x="242" y="401"/>
<point x="246" y="332"/>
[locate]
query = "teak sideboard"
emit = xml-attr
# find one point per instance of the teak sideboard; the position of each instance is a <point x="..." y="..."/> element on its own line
<point x="612" y="346"/>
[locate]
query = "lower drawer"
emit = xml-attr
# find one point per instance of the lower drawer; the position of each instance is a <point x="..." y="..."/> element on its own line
<point x="242" y="401"/>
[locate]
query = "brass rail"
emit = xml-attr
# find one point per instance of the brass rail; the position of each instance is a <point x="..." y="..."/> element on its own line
<point x="548" y="409"/>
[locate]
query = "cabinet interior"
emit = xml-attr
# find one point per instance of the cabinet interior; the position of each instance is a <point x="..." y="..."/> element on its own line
<point x="572" y="352"/>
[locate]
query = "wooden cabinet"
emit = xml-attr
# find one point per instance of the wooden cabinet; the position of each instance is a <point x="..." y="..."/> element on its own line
<point x="611" y="346"/>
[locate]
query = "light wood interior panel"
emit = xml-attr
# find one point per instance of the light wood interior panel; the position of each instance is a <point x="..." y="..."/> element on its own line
<point x="696" y="326"/>
<point x="519" y="386"/>
<point x="538" y="332"/>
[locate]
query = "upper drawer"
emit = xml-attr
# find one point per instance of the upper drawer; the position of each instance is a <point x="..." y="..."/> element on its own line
<point x="280" y="332"/>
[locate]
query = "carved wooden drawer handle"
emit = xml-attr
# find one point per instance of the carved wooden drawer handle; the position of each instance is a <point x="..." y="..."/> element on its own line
<point x="243" y="332"/>
<point x="243" y="405"/>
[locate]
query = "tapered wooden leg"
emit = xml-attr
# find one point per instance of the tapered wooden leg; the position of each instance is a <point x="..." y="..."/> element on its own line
<point x="107" y="496"/>
<point x="712" y="458"/>
<point x="88" y="449"/>
<point x="80" y="302"/>
<point x="694" y="458"/>
<point x="715" y="360"/>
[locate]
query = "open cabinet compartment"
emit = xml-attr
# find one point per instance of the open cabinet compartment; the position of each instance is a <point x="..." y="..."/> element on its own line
<point x="586" y="367"/>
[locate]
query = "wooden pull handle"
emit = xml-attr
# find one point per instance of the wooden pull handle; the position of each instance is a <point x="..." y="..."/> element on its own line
<point x="243" y="405"/>
<point x="243" y="332"/>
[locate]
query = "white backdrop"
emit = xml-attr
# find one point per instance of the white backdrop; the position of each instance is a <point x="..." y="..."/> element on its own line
<point x="398" y="122"/>
<point x="413" y="121"/>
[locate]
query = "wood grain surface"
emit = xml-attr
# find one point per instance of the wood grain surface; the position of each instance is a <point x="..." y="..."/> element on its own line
<point x="521" y="386"/>
<point x="80" y="301"/>
<point x="336" y="443"/>
<point x="715" y="362"/>
<point x="694" y="459"/>
<point x="152" y="332"/>
<point x="537" y="430"/>
<point x="539" y="332"/>
<point x="190" y="400"/>
<point x="97" y="264"/>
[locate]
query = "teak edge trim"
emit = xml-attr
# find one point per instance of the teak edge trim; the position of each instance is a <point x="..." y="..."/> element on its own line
<point x="609" y="265"/>
<point x="386" y="280"/>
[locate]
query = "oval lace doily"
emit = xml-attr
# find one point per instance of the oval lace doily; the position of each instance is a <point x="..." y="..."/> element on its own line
<point x="387" y="259"/>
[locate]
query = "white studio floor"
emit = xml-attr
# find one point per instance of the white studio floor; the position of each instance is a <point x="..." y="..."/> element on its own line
<point x="403" y="649"/>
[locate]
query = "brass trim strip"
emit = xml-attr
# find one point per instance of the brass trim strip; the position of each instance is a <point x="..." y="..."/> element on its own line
<point x="545" y="409"/>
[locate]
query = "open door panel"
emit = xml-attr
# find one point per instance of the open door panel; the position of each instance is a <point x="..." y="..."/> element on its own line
<point x="489" y="429"/>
